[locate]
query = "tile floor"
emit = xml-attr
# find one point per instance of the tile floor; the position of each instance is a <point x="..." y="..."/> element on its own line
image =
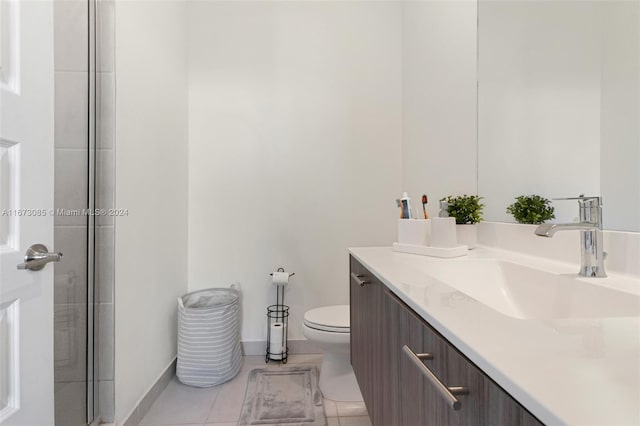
<point x="220" y="406"/>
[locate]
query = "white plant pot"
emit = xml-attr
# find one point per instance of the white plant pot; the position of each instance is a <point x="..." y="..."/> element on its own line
<point x="467" y="234"/>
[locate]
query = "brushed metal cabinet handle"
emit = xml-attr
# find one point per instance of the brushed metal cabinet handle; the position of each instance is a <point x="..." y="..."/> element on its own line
<point x="448" y="393"/>
<point x="360" y="279"/>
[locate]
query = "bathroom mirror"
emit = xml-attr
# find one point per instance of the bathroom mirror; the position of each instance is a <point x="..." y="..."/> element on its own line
<point x="559" y="106"/>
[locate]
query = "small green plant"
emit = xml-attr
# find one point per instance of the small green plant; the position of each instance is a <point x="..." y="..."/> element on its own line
<point x="467" y="209"/>
<point x="531" y="209"/>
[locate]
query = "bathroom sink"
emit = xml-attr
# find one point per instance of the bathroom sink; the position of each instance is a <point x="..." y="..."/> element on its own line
<point x="526" y="293"/>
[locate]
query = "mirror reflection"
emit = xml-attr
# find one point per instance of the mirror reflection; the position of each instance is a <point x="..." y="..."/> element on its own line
<point x="559" y="106"/>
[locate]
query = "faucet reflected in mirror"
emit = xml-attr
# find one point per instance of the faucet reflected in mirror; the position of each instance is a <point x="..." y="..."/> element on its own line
<point x="590" y="226"/>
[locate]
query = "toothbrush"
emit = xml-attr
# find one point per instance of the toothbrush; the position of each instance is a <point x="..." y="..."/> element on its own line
<point x="424" y="206"/>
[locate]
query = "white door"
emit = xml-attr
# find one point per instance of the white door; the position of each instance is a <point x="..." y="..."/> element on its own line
<point x="26" y="217"/>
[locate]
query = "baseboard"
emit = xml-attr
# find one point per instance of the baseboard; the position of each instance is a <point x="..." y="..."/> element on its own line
<point x="299" y="346"/>
<point x="143" y="406"/>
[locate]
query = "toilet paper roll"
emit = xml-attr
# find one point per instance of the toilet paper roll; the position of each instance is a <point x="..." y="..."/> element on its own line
<point x="280" y="278"/>
<point x="443" y="232"/>
<point x="276" y="345"/>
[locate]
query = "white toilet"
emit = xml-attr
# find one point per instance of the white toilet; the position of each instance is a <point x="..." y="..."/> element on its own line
<point x="328" y="327"/>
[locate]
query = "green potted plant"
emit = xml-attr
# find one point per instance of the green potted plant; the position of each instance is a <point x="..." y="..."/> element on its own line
<point x="532" y="209"/>
<point x="467" y="210"/>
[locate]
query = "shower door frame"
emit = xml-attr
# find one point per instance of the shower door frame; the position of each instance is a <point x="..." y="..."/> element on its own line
<point x="92" y="360"/>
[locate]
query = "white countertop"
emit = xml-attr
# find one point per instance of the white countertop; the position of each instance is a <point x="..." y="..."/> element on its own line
<point x="565" y="371"/>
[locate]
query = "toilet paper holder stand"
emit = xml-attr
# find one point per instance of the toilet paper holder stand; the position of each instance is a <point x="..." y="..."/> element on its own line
<point x="281" y="269"/>
<point x="277" y="326"/>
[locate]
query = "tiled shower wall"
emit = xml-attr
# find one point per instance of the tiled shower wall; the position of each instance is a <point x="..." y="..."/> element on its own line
<point x="71" y="29"/>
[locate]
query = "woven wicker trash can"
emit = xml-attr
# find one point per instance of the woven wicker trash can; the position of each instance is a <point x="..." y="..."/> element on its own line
<point x="209" y="336"/>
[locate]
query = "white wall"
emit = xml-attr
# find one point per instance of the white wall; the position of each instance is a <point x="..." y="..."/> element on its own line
<point x="151" y="182"/>
<point x="439" y="99"/>
<point x="294" y="146"/>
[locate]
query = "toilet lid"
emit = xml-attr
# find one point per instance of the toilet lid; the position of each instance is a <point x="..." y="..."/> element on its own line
<point x="329" y="318"/>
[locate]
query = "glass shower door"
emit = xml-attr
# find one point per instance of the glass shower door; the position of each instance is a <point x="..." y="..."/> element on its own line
<point x="74" y="227"/>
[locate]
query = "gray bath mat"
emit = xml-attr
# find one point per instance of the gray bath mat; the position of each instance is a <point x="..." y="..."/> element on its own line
<point x="283" y="396"/>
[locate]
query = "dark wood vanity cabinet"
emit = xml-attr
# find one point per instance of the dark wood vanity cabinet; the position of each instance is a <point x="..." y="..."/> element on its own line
<point x="397" y="390"/>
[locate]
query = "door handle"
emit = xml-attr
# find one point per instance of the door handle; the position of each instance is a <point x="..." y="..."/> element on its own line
<point x="37" y="256"/>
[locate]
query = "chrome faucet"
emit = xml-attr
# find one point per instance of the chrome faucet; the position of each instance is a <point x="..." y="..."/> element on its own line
<point x="591" y="254"/>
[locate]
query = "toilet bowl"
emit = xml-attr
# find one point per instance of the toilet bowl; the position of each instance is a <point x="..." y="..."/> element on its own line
<point x="328" y="327"/>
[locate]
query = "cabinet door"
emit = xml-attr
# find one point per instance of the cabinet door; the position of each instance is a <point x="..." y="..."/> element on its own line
<point x="404" y="387"/>
<point x="422" y="404"/>
<point x="418" y="400"/>
<point x="487" y="403"/>
<point x="366" y="338"/>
